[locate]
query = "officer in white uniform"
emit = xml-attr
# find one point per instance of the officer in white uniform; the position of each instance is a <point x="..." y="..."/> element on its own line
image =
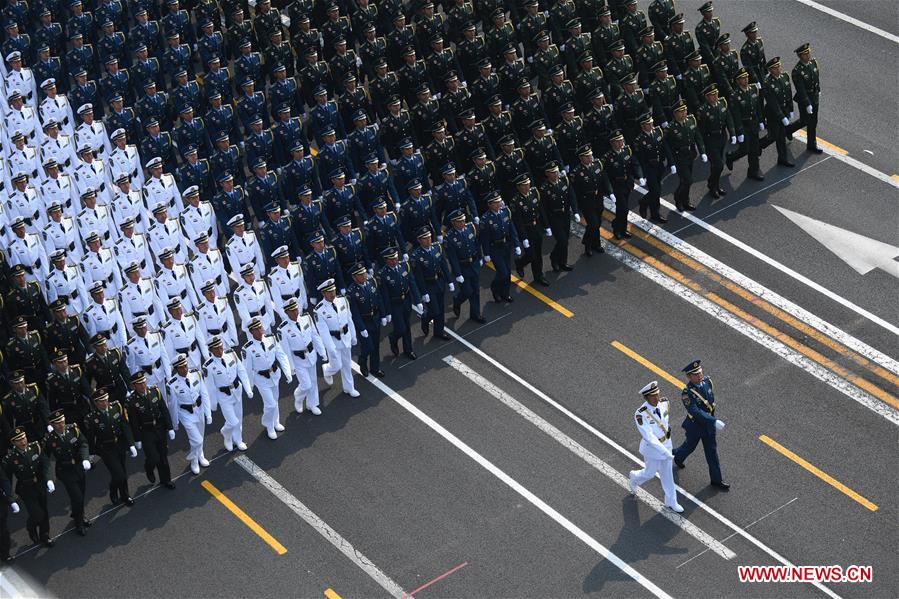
<point x="20" y="117"/>
<point x="102" y="316"/>
<point x="138" y="299"/>
<point x="21" y="78"/>
<point x="99" y="264"/>
<point x="182" y="335"/>
<point x="286" y="281"/>
<point x="655" y="445"/>
<point x="146" y="352"/>
<point x="66" y="283"/>
<point x="133" y="247"/>
<point x="265" y="361"/>
<point x="24" y="201"/>
<point x="124" y="159"/>
<point x="127" y="202"/>
<point x="161" y="187"/>
<point x="95" y="217"/>
<point x="172" y="280"/>
<point x="190" y="409"/>
<point x="23" y="158"/>
<point x="164" y="232"/>
<point x="26" y="249"/>
<point x="197" y="217"/>
<point x="253" y="300"/>
<point x="58" y="147"/>
<point x="226" y="380"/>
<point x="244" y="248"/>
<point x="215" y="316"/>
<point x="61" y="233"/>
<point x="303" y="345"/>
<point x="338" y="334"/>
<point x="58" y="187"/>
<point x="92" y="133"/>
<point x="56" y="107"/>
<point x="208" y="264"/>
<point x="90" y="173"/>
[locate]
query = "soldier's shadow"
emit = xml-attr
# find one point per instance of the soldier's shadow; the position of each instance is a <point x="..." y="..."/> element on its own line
<point x="637" y="541"/>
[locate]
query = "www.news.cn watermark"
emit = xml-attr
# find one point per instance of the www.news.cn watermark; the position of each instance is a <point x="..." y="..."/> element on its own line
<point x="805" y="573"/>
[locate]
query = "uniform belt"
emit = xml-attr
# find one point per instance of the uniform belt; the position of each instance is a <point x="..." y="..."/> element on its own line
<point x="183" y="293"/>
<point x="259" y="312"/>
<point x="114" y="329"/>
<point x="269" y="371"/>
<point x="301" y="354"/>
<point x="218" y="280"/>
<point x="231" y="387"/>
<point x="189" y="407"/>
<point x="368" y="315"/>
<point x="287" y="296"/>
<point x="466" y="261"/>
<point x="340" y="332"/>
<point x="433" y="279"/>
<point x="398" y="298"/>
<point x="498" y="242"/>
<point x="186" y="350"/>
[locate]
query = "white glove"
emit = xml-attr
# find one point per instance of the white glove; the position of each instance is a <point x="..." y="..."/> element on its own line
<point x="50" y="486"/>
<point x="612" y="197"/>
<point x="313" y="301"/>
<point x="342" y="291"/>
<point x="133" y="450"/>
<point x="405" y="257"/>
<point x="664" y="124"/>
<point x="14" y="507"/>
<point x="740" y="138"/>
<point x="249" y="396"/>
<point x="809" y="109"/>
<point x="526" y="245"/>
<point x="577" y="217"/>
<point x="562" y="48"/>
<point x="440" y="239"/>
<point x="548" y="232"/>
<point x="761" y="126"/>
<point x="670" y="455"/>
<point x="353" y="181"/>
<point x="384" y="321"/>
<point x="451" y="287"/>
<point x="679" y="77"/>
<point x="426" y="298"/>
<point x="733" y="140"/>
<point x="785" y="121"/>
<point x="209" y="418"/>
<point x="477" y="220"/>
<point x="792" y="115"/>
<point x="390" y="318"/>
<point x="49" y="428"/>
<point x="704" y="158"/>
<point x="719" y="425"/>
<point x="86" y="464"/>
<point x="642" y="181"/>
<point x="460" y="279"/>
<point x="486" y="259"/>
<point x="364" y="334"/>
<point x="518" y="250"/>
<point x="172" y="433"/>
<point x="358" y="61"/>
<point x="673" y="169"/>
<point x="549" y="131"/>
<point x="139" y="445"/>
<point x="419" y="307"/>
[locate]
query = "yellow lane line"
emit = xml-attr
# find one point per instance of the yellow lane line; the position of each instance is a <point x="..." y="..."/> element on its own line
<point x="546" y="300"/>
<point x="769" y="308"/>
<point x="817" y="472"/>
<point x="243" y="517"/>
<point x="757" y="323"/>
<point x="894" y="177"/>
<point x="832" y="147"/>
<point x="330" y="594"/>
<point x="641" y="360"/>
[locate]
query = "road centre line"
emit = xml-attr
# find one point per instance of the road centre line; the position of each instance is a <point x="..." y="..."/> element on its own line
<point x="623" y="451"/>
<point x="851" y="20"/>
<point x="758" y="295"/>
<point x="844" y="157"/>
<point x="517" y="487"/>
<point x="243" y="517"/>
<point x="580" y="451"/>
<point x="331" y="594"/>
<point x="320" y="526"/>
<point x="818" y="472"/>
<point x="540" y="296"/>
<point x="679" y="384"/>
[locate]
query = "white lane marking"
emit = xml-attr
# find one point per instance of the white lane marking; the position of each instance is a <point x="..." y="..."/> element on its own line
<point x="580" y="451"/>
<point x="18" y="585"/>
<point x="766" y="294"/>
<point x="851" y="20"/>
<point x="518" y="487"/>
<point x="750" y="525"/>
<point x="861" y="253"/>
<point x="594" y="431"/>
<point x="857" y="164"/>
<point x="321" y="527"/>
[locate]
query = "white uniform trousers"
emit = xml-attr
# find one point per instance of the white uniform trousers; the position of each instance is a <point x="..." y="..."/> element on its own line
<point x="231" y="406"/>
<point x="271" y="414"/>
<point x="307" y="383"/>
<point x="341" y="360"/>
<point x="194" y="425"/>
<point x="664" y="468"/>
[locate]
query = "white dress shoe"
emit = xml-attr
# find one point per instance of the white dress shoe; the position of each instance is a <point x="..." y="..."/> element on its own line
<point x="204" y="462"/>
<point x="298" y="407"/>
<point x="630" y="484"/>
<point x="329" y="379"/>
<point x="241" y="446"/>
<point x="194" y="467"/>
<point x="315" y="410"/>
<point x="279" y="427"/>
<point x="675" y="508"/>
<point x="272" y="434"/>
<point x="353" y="393"/>
<point x="229" y="445"/>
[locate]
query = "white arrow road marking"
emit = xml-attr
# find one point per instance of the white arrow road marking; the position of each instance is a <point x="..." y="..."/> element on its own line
<point x="861" y="253"/>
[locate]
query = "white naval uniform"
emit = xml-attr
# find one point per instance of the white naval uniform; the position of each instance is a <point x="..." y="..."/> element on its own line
<point x="60" y="189"/>
<point x="163" y="189"/>
<point x="102" y="266"/>
<point x="217" y="319"/>
<point x="67" y="284"/>
<point x="148" y="353"/>
<point x="254" y="301"/>
<point x="199" y="220"/>
<point x="167" y="235"/>
<point x="243" y="249"/>
<point x="209" y="267"/>
<point x="5" y="229"/>
<point x="226" y="380"/>
<point x="134" y="249"/>
<point x="176" y="283"/>
<point x="25" y="161"/>
<point x="22" y="80"/>
<point x="141" y="299"/>
<point x="302" y="344"/>
<point x="184" y="336"/>
<point x="655" y="445"/>
<point x="93" y="175"/>
<point x="105" y="318"/>
<point x="190" y="409"/>
<point x="126" y="160"/>
<point x="29" y="252"/>
<point x="130" y="205"/>
<point x="265" y="360"/>
<point x="286" y="284"/>
<point x="29" y="206"/>
<point x="63" y="235"/>
<point x="24" y="120"/>
<point x="99" y="219"/>
<point x="59" y="110"/>
<point x="62" y="150"/>
<point x="93" y="135"/>
<point x="338" y="334"/>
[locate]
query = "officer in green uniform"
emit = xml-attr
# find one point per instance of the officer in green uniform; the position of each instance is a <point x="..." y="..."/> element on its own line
<point x="106" y="368"/>
<point x="67" y="446"/>
<point x="631" y="104"/>
<point x="807" y="82"/>
<point x="545" y="58"/>
<point x="151" y="425"/>
<point x="559" y="203"/>
<point x="605" y="34"/>
<point x="752" y="54"/>
<point x="66" y="334"/>
<point x="590" y="183"/>
<point x="684" y="139"/>
<point x="7" y="504"/>
<point x="25" y="352"/>
<point x="578" y="43"/>
<point x="530" y="25"/>
<point x="25" y="298"/>
<point x="621" y="167"/>
<point x="678" y="45"/>
<point x="31" y="471"/>
<point x="618" y="67"/>
<point x="779" y="107"/>
<point x="663" y="94"/>
<point x="695" y="79"/>
<point x="68" y="389"/>
<point x="109" y="435"/>
<point x="652" y="152"/>
<point x="590" y="78"/>
<point x="631" y="23"/>
<point x="648" y="55"/>
<point x="707" y="31"/>
<point x="746" y="109"/>
<point x="726" y="65"/>
<point x="660" y="14"/>
<point x="25" y="407"/>
<point x="715" y="124"/>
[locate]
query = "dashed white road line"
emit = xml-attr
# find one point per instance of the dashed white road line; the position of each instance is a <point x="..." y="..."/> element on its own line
<point x="851" y="20"/>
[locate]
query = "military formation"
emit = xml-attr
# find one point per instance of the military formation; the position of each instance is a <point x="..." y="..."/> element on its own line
<point x="202" y="201"/>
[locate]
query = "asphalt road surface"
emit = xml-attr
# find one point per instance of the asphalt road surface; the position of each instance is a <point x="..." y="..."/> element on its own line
<point x="493" y="465"/>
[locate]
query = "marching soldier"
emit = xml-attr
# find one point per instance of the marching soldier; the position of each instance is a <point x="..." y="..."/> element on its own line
<point x="61" y="234"/>
<point x="151" y="427"/>
<point x="752" y="54"/>
<point x="197" y="217"/>
<point x="806" y="80"/>
<point x="652" y="152"/>
<point x="334" y="321"/>
<point x="132" y="248"/>
<point x="286" y="281"/>
<point x="138" y="298"/>
<point x="190" y="409"/>
<point x="67" y="389"/>
<point x="68" y="448"/>
<point x="530" y="222"/>
<point x="24" y="406"/>
<point x="226" y="381"/>
<point x="696" y="77"/>
<point x="498" y="237"/>
<point x="165" y="233"/>
<point x="24" y="352"/>
<point x="621" y="166"/>
<point x="215" y="316"/>
<point x="208" y="264"/>
<point x="31" y="471"/>
<point x="715" y="123"/>
<point x="109" y="435"/>
<point x="559" y="203"/>
<point x="746" y="110"/>
<point x="65" y="333"/>
<point x="106" y="369"/>
<point x="99" y="265"/>
<point x="182" y="335"/>
<point x="707" y="31"/>
<point x="700" y="423"/>
<point x="684" y="139"/>
<point x="103" y="317"/>
<point x="125" y="160"/>
<point x="726" y="66"/>
<point x="678" y="45"/>
<point x="369" y="315"/>
<point x="253" y="299"/>
<point x="26" y="251"/>
<point x="172" y="281"/>
<point x="432" y="276"/>
<point x="265" y="362"/>
<point x="25" y="299"/>
<point x="779" y="108"/>
<point x="302" y="345"/>
<point x="463" y="251"/>
<point x="655" y="445"/>
<point x="243" y="247"/>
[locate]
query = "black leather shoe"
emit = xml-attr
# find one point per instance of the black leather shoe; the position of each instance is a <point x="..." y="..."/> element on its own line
<point x="49" y="544"/>
<point x="600" y="249"/>
<point x="169" y="485"/>
<point x="757" y="177"/>
<point x="8" y="559"/>
<point x="128" y="501"/>
<point x="457" y="309"/>
<point x="714" y="193"/>
<point x="730" y="162"/>
<point x="394" y="348"/>
<point x="425" y="327"/>
<point x="363" y="370"/>
<point x="555" y="267"/>
<point x="80" y="531"/>
<point x="114" y="497"/>
<point x="410" y="354"/>
<point x="689" y="207"/>
<point x="642" y="211"/>
<point x="588" y="251"/>
<point x="88" y="523"/>
<point x="379" y="373"/>
<point x="786" y="163"/>
<point x="520" y="272"/>
<point x="479" y="319"/>
<point x="508" y="299"/>
<point x="617" y="236"/>
<point x="542" y="281"/>
<point x="814" y="150"/>
<point x="659" y="219"/>
<point x="32" y="534"/>
<point x="497" y="298"/>
<point x="151" y="476"/>
<point x="626" y="235"/>
<point x="443" y="335"/>
<point x="722" y="191"/>
<point x="680" y="465"/>
<point x="566" y="267"/>
<point x="720" y="484"/>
